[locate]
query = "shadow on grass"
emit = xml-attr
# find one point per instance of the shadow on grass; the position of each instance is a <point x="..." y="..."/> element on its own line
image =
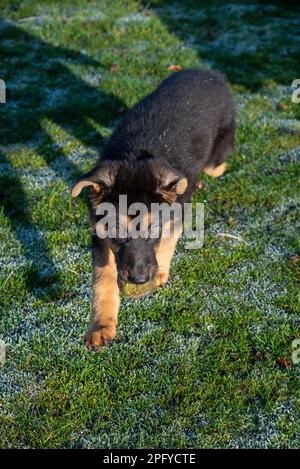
<point x="251" y="42"/>
<point x="41" y="86"/>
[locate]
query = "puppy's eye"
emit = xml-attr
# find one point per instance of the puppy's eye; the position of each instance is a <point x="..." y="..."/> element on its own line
<point x="119" y="241"/>
<point x="122" y="240"/>
<point x="154" y="230"/>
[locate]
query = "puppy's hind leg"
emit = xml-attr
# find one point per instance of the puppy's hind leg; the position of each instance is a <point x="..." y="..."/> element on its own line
<point x="215" y="171"/>
<point x="224" y="144"/>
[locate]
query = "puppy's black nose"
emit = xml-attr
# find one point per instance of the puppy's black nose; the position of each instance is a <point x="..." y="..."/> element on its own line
<point x="139" y="279"/>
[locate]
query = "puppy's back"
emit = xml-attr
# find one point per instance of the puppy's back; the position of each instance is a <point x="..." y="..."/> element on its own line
<point x="177" y="122"/>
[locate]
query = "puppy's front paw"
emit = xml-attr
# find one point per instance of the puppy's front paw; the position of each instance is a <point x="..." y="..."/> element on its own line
<point x="161" y="279"/>
<point x="98" y="336"/>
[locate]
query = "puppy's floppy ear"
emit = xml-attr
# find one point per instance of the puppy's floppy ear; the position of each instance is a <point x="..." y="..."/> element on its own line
<point x="170" y="191"/>
<point x="170" y="183"/>
<point x="85" y="183"/>
<point x="100" y="179"/>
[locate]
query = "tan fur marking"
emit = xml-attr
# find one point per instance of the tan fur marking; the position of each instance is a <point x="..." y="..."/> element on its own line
<point x="169" y="197"/>
<point x="181" y="186"/>
<point x="215" y="171"/>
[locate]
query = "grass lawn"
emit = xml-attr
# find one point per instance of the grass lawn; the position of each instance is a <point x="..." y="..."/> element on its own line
<point x="206" y="361"/>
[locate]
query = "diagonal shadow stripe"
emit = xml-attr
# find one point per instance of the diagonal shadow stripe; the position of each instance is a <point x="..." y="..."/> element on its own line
<point x="40" y="85"/>
<point x="14" y="202"/>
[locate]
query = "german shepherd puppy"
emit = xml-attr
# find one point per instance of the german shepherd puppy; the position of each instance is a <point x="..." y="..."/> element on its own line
<point x="185" y="127"/>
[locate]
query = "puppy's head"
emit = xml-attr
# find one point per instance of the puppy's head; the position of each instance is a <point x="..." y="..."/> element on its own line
<point x="132" y="236"/>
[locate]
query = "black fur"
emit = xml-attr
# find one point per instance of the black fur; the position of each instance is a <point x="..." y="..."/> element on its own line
<point x="187" y="123"/>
